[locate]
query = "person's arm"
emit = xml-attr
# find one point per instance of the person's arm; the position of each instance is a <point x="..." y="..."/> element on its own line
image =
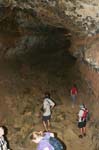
<point x="52" y="104"/>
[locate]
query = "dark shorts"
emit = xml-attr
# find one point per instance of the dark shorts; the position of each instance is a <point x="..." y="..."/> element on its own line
<point x="82" y="124"/>
<point x="46" y="118"/>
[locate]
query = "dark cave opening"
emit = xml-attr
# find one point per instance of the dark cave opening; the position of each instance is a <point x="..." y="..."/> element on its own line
<point x="36" y="55"/>
<point x="50" y="58"/>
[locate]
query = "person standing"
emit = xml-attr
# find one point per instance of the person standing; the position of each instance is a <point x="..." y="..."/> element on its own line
<point x="48" y="105"/>
<point x="3" y="142"/>
<point x="82" y="115"/>
<point x="73" y="93"/>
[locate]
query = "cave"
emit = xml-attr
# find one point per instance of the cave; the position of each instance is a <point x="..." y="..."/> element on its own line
<point x="47" y="46"/>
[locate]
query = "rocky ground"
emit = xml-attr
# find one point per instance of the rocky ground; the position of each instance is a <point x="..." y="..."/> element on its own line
<point x="35" y="38"/>
<point x="22" y="85"/>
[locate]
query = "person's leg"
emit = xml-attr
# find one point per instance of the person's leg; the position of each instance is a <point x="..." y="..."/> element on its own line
<point x="48" y="122"/>
<point x="81" y="131"/>
<point x="44" y="119"/>
<point x="73" y="100"/>
<point x="84" y="131"/>
<point x="45" y="125"/>
<point x="80" y="125"/>
<point x="84" y="128"/>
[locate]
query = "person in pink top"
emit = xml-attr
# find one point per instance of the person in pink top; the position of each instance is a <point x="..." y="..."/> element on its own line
<point x="73" y="93"/>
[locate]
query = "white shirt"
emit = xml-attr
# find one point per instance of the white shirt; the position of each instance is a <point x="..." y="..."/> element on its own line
<point x="47" y="106"/>
<point x="80" y="115"/>
<point x="3" y="143"/>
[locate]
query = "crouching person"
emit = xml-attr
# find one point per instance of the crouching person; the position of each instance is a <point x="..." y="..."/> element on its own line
<point x="46" y="141"/>
<point x="3" y="142"/>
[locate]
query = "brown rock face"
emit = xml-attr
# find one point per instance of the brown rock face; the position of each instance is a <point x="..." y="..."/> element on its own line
<point x="79" y="17"/>
<point x="47" y="45"/>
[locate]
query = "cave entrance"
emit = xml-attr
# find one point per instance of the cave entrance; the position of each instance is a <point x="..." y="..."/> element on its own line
<point x="47" y="66"/>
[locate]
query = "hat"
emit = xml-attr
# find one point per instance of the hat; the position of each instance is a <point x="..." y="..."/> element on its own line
<point x="81" y="106"/>
<point x="1" y="131"/>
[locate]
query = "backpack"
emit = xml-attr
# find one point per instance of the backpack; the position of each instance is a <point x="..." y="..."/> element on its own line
<point x="85" y="115"/>
<point x="57" y="145"/>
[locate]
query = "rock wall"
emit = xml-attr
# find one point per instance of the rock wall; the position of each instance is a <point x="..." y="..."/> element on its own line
<point x="29" y="19"/>
<point x="92" y="79"/>
<point x="78" y="14"/>
<point x="80" y="18"/>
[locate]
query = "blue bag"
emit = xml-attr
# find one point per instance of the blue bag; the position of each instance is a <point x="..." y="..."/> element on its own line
<point x="57" y="145"/>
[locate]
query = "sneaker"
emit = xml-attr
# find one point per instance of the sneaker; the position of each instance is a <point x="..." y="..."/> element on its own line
<point x="80" y="136"/>
<point x="84" y="134"/>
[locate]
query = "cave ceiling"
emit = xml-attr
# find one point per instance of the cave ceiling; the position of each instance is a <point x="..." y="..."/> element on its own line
<point x="79" y="18"/>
